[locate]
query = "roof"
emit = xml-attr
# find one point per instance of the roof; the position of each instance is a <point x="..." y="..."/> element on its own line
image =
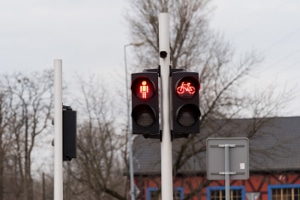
<point x="274" y="145"/>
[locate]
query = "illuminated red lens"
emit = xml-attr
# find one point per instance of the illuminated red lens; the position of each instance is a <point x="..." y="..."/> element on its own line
<point x="144" y="88"/>
<point x="187" y="87"/>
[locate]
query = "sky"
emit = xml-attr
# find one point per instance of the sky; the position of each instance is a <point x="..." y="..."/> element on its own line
<point x="89" y="36"/>
<point x="270" y="28"/>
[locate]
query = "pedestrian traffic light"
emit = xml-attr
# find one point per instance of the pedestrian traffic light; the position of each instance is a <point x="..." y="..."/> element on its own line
<point x="185" y="103"/>
<point x="145" y="109"/>
<point x="69" y="133"/>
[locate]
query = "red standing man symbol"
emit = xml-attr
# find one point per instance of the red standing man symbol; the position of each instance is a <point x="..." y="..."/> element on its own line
<point x="144" y="89"/>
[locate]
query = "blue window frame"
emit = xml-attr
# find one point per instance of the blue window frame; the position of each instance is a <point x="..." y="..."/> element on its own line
<point x="151" y="192"/>
<point x="286" y="192"/>
<point x="218" y="193"/>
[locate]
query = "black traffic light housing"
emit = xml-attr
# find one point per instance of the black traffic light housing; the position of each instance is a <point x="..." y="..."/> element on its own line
<point x="145" y="108"/>
<point x="185" y="103"/>
<point x="69" y="133"/>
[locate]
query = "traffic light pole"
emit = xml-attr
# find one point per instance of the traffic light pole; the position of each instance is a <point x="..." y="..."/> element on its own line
<point x="58" y="165"/>
<point x="166" y="144"/>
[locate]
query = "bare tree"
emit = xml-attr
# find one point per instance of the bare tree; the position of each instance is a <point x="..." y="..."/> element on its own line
<point x="5" y="137"/>
<point x="29" y="104"/>
<point x="97" y="170"/>
<point x="190" y="38"/>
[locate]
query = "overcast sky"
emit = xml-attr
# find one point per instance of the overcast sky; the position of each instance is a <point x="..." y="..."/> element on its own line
<point x="272" y="29"/>
<point x="89" y="36"/>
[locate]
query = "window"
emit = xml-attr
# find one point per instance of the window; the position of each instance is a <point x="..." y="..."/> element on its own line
<point x="218" y="193"/>
<point x="154" y="194"/>
<point x="284" y="192"/>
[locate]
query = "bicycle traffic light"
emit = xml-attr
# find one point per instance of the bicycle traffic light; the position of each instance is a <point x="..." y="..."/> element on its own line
<point x="145" y="109"/>
<point x="185" y="103"/>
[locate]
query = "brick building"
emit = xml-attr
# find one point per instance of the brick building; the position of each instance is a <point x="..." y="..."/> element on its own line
<point x="274" y="162"/>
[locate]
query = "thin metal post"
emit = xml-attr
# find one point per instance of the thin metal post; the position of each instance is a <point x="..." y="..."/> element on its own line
<point x="132" y="193"/>
<point x="129" y="134"/>
<point x="166" y="144"/>
<point x="227" y="178"/>
<point x="58" y="160"/>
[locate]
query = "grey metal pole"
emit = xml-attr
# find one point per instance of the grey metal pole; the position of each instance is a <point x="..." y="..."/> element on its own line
<point x="129" y="134"/>
<point x="166" y="144"/>
<point x="132" y="193"/>
<point x="227" y="178"/>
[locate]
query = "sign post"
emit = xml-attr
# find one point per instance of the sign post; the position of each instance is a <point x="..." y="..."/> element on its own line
<point x="227" y="158"/>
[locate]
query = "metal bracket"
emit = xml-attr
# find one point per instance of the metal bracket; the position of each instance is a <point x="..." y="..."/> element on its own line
<point x="224" y="173"/>
<point x="67" y="107"/>
<point x="153" y="70"/>
<point x="226" y="145"/>
<point x="176" y="70"/>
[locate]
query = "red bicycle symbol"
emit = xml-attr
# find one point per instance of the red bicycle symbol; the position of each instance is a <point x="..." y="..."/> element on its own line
<point x="185" y="88"/>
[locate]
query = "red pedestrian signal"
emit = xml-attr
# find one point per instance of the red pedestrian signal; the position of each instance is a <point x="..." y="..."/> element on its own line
<point x="143" y="88"/>
<point x="145" y="109"/>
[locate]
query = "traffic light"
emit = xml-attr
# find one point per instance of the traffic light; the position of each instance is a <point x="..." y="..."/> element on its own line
<point x="145" y="109"/>
<point x="185" y="103"/>
<point x="69" y="133"/>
